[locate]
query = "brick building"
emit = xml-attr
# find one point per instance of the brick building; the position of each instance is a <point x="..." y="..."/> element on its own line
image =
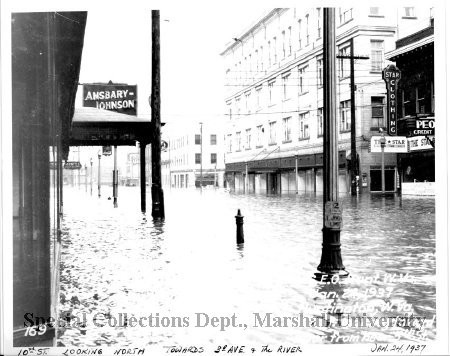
<point x="274" y="100"/>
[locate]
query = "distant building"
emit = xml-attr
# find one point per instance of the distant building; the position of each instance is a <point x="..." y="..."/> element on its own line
<point x="194" y="156"/>
<point x="274" y="100"/>
<point x="414" y="56"/>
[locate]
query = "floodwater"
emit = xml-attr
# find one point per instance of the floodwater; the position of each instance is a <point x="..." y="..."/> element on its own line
<point x="117" y="261"/>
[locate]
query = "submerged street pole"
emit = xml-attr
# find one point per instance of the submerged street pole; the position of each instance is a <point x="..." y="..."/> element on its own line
<point x="99" y="173"/>
<point x="155" y="103"/>
<point x="331" y="260"/>
<point x="91" y="174"/>
<point x="115" y="178"/>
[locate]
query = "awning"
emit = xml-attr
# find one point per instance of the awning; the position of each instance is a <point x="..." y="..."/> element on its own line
<point x="392" y="55"/>
<point x="95" y="127"/>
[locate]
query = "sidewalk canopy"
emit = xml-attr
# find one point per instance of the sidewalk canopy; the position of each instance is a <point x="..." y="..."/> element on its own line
<point x="95" y="127"/>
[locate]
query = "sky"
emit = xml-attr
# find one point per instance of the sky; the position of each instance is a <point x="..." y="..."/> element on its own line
<point x="118" y="48"/>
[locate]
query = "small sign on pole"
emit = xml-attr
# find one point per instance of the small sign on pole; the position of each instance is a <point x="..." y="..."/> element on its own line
<point x="391" y="75"/>
<point x="333" y="215"/>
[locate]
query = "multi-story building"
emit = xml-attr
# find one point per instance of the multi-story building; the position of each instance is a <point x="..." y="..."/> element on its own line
<point x="274" y="102"/>
<point x="414" y="56"/>
<point x="194" y="156"/>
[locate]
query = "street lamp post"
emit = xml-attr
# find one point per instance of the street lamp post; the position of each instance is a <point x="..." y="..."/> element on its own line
<point x="99" y="173"/>
<point x="383" y="145"/>
<point x="91" y="174"/>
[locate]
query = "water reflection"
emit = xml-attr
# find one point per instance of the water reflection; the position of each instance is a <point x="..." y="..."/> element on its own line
<point x="115" y="262"/>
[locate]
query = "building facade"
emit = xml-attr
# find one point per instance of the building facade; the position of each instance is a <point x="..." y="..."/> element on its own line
<point x="414" y="57"/>
<point x="194" y="156"/>
<point x="274" y="100"/>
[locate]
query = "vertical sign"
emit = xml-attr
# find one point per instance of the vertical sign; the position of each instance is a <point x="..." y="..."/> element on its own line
<point x="391" y="75"/>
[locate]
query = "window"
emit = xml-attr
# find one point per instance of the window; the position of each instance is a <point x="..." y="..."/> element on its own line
<point x="320" y="122"/>
<point x="261" y="55"/>
<point x="229" y="143"/>
<point x="230" y="110"/>
<point x="259" y="135"/>
<point x="272" y="133"/>
<point x="374" y="11"/>
<point x="247" y="102"/>
<point x="248" y="139"/>
<point x="289" y="40"/>
<point x="303" y="124"/>
<point x="287" y="129"/>
<point x="345" y="15"/>
<point x="258" y="98"/>
<point x="238" y="107"/>
<point x="344" y="63"/>
<point x="213" y="158"/>
<point x="345" y="122"/>
<point x="271" y="85"/>
<point x="198" y="158"/>
<point x="285" y="79"/>
<point x="274" y="50"/>
<point x="269" y="54"/>
<point x="299" y="34"/>
<point x="213" y="139"/>
<point x="198" y="139"/>
<point x="376" y="55"/>
<point x="307" y="29"/>
<point x="238" y="141"/>
<point x="302" y="84"/>
<point x="319" y="24"/>
<point x="283" y="35"/>
<point x="257" y="61"/>
<point x="320" y="72"/>
<point x="377" y="111"/>
<point x="409" y="12"/>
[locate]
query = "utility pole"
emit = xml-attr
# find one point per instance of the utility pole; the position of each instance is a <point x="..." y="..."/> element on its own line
<point x="331" y="260"/>
<point x="155" y="103"/>
<point x="201" y="155"/>
<point x="353" y="161"/>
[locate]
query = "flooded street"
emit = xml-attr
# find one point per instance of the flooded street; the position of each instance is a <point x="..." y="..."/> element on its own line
<point x="117" y="261"/>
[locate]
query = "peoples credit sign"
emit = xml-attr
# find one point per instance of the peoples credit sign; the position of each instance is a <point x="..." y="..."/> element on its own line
<point x="120" y="98"/>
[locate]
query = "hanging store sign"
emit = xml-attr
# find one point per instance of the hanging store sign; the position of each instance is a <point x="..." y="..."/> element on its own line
<point x="424" y="127"/>
<point x="394" y="144"/>
<point x="107" y="150"/>
<point x="120" y="98"/>
<point x="391" y="75"/>
<point x="420" y="143"/>
<point x="72" y="165"/>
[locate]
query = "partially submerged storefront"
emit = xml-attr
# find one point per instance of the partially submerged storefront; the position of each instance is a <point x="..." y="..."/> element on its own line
<point x="414" y="56"/>
<point x="294" y="174"/>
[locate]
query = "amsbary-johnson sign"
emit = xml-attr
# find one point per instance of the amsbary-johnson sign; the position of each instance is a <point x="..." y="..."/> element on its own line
<point x="115" y="97"/>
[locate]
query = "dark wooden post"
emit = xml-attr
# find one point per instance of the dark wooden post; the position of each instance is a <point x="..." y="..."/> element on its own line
<point x="331" y="260"/>
<point x="157" y="191"/>
<point x="142" y="177"/>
